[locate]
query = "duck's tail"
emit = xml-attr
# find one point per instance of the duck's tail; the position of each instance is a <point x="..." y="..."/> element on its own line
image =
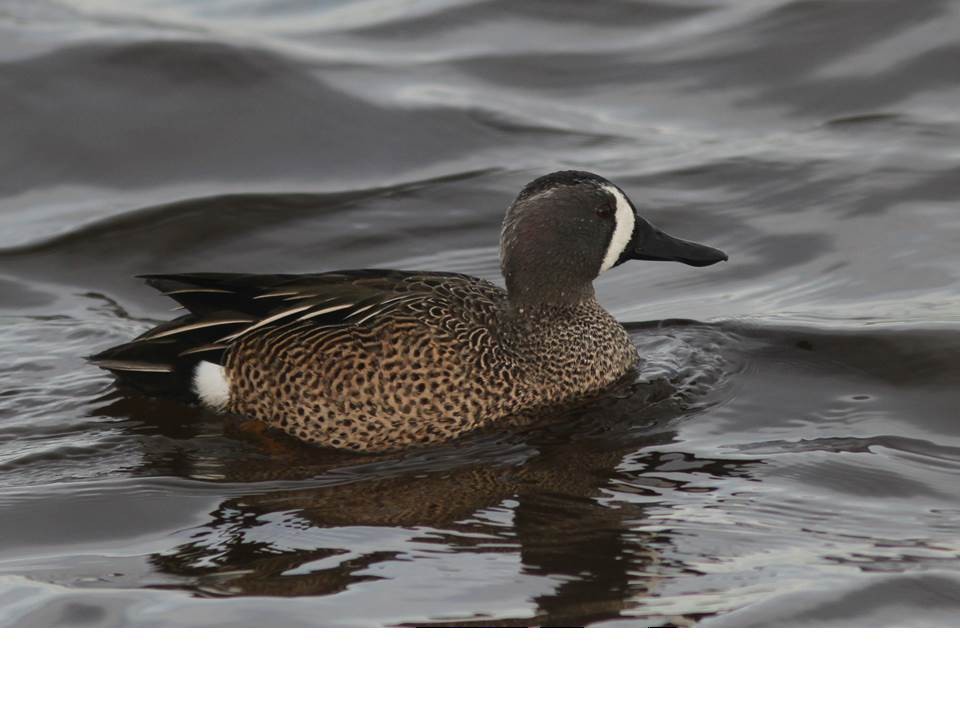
<point x="182" y="358"/>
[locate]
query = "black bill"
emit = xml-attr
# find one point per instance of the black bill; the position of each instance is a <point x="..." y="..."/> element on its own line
<point x="651" y="243"/>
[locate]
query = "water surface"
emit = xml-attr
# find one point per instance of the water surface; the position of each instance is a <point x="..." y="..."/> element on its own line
<point x="788" y="453"/>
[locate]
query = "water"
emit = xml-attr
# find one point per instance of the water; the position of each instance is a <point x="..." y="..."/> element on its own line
<point x="787" y="455"/>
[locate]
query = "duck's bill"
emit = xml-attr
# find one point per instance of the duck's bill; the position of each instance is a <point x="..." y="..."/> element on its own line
<point x="651" y="243"/>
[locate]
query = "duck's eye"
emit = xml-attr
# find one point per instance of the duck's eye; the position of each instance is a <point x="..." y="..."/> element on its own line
<point x="605" y="211"/>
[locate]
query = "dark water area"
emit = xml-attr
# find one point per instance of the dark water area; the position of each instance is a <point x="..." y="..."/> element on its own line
<point x="787" y="454"/>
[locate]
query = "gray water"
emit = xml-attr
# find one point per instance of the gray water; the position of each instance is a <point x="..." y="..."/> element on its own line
<point x="788" y="453"/>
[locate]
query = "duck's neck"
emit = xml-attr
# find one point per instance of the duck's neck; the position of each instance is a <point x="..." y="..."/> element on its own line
<point x="533" y="314"/>
<point x="532" y="293"/>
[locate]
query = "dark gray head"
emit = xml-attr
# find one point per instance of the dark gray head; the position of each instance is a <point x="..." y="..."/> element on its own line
<point x="566" y="228"/>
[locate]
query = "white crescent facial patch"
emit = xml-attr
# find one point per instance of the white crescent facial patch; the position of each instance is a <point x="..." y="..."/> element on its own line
<point x="624" y="222"/>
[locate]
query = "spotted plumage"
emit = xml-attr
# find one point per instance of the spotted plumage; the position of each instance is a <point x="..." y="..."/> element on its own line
<point x="374" y="360"/>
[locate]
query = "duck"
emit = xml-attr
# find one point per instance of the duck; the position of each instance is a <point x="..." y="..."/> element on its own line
<point x="379" y="360"/>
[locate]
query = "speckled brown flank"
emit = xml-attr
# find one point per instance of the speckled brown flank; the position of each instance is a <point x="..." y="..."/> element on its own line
<point x="451" y="358"/>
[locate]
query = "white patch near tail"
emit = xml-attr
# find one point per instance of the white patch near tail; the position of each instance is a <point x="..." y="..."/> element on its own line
<point x="211" y="385"/>
<point x="622" y="230"/>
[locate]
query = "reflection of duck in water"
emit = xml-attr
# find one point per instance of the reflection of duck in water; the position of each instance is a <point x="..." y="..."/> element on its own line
<point x="377" y="360"/>
<point x="548" y="501"/>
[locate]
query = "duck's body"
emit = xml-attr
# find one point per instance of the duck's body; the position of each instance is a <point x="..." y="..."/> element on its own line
<point x="374" y="360"/>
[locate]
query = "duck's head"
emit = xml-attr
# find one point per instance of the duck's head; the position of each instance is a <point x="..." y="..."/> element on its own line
<point x="566" y="228"/>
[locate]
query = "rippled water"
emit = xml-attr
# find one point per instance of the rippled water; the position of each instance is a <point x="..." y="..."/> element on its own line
<point x="788" y="454"/>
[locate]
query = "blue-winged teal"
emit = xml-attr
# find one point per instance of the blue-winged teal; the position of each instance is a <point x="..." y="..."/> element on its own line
<point x="374" y="360"/>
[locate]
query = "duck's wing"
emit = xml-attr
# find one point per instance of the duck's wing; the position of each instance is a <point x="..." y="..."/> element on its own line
<point x="223" y="307"/>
